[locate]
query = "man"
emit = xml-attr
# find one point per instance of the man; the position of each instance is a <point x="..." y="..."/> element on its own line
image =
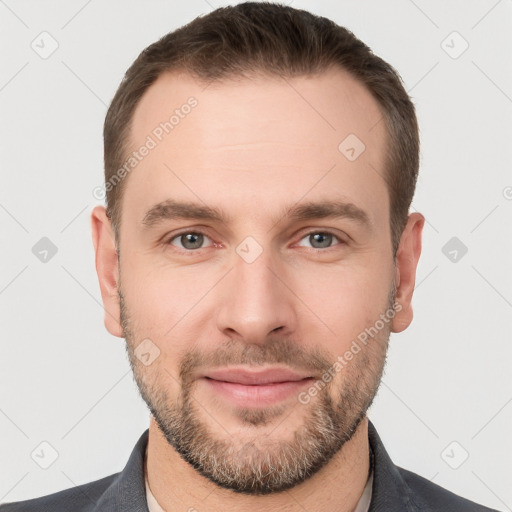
<point x="256" y="252"/>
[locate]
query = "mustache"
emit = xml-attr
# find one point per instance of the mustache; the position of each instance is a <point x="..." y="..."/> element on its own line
<point x="275" y="351"/>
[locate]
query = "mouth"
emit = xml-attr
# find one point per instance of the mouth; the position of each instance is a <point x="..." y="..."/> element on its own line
<point x="253" y="388"/>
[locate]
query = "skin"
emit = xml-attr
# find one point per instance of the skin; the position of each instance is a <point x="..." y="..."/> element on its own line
<point x="255" y="147"/>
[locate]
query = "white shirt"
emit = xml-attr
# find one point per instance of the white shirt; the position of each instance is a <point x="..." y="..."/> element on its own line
<point x="362" y="505"/>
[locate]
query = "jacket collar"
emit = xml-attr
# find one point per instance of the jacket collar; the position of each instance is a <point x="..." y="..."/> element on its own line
<point x="389" y="492"/>
<point x="127" y="492"/>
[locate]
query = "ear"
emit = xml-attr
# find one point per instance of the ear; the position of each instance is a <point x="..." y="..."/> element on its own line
<point x="107" y="268"/>
<point x="407" y="258"/>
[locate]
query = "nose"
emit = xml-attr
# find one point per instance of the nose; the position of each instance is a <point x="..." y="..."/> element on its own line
<point x="255" y="300"/>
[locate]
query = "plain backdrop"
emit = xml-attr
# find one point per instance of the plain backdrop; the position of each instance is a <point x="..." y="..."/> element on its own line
<point x="444" y="409"/>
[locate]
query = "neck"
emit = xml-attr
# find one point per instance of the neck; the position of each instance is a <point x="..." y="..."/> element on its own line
<point x="337" y="486"/>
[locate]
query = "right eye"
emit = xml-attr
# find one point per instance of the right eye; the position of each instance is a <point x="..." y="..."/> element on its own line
<point x="188" y="240"/>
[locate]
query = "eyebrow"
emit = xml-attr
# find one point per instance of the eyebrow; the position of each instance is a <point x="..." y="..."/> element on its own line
<point x="172" y="209"/>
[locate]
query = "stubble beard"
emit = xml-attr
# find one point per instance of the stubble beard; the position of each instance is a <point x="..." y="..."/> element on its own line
<point x="260" y="464"/>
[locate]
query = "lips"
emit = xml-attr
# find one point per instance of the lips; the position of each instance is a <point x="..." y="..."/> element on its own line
<point x="245" y="388"/>
<point x="256" y="378"/>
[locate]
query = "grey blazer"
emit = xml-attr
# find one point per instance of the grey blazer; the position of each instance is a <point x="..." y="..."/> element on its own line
<point x="394" y="490"/>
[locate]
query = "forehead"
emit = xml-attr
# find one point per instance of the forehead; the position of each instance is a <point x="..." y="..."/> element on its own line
<point x="332" y="103"/>
<point x="267" y="139"/>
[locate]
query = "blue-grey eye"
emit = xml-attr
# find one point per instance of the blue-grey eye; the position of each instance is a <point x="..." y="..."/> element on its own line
<point x="320" y="239"/>
<point x="189" y="241"/>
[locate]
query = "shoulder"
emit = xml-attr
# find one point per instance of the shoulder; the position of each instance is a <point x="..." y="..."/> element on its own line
<point x="436" y="497"/>
<point x="124" y="490"/>
<point x="398" y="489"/>
<point x="82" y="498"/>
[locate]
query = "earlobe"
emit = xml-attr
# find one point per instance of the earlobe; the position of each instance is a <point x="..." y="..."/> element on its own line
<point x="107" y="268"/>
<point x="407" y="259"/>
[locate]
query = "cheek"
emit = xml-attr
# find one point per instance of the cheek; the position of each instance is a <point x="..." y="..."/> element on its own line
<point x="160" y="287"/>
<point x="342" y="302"/>
<point x="158" y="300"/>
<point x="171" y="307"/>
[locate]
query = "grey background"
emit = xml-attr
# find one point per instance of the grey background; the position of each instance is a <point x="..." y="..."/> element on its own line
<point x="66" y="381"/>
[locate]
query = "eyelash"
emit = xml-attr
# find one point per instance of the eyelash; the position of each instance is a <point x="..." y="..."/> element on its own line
<point x="200" y="232"/>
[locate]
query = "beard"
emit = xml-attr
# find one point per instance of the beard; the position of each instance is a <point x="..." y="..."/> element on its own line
<point x="259" y="464"/>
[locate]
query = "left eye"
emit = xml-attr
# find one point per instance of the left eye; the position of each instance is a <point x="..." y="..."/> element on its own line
<point x="320" y="239"/>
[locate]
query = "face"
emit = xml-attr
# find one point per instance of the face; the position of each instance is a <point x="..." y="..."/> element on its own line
<point x="255" y="285"/>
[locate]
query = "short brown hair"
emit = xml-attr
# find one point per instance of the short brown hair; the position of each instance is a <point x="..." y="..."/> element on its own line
<point x="276" y="40"/>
